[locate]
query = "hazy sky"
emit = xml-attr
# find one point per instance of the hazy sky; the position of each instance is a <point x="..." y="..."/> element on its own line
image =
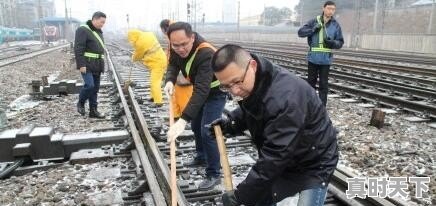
<point x="148" y="13"/>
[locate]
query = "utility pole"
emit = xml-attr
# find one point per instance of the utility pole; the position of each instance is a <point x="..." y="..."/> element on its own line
<point x="239" y="19"/>
<point x="195" y="15"/>
<point x="41" y="31"/>
<point x="374" y="23"/>
<point x="128" y="21"/>
<point x="264" y="15"/>
<point x="301" y="13"/>
<point x="66" y="22"/>
<point x="432" y="16"/>
<point x="188" y="12"/>
<point x="356" y="27"/>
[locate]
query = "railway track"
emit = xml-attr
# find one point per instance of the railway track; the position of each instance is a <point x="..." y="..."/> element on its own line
<point x="400" y="90"/>
<point x="415" y="58"/>
<point x="148" y="129"/>
<point x="28" y="54"/>
<point x="424" y="72"/>
<point x="15" y="50"/>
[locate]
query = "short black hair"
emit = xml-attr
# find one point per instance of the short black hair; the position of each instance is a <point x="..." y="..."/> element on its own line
<point x="227" y="54"/>
<point x="98" y="14"/>
<point x="328" y="3"/>
<point x="180" y="26"/>
<point x="164" y="24"/>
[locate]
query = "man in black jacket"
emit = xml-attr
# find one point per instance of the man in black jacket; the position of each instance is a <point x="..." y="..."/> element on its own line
<point x="191" y="54"/>
<point x="289" y="125"/>
<point x="89" y="51"/>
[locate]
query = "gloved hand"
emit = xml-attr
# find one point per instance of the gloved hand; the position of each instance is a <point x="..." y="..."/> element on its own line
<point x="169" y="88"/>
<point x="82" y="70"/>
<point x="229" y="199"/>
<point x="317" y="27"/>
<point x="176" y="130"/>
<point x="330" y="43"/>
<point x="225" y="122"/>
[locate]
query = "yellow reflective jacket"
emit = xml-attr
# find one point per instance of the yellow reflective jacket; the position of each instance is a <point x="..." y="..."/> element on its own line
<point x="147" y="49"/>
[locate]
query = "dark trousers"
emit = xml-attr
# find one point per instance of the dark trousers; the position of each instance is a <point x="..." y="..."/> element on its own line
<point x="321" y="71"/>
<point x="90" y="89"/>
<point x="205" y="145"/>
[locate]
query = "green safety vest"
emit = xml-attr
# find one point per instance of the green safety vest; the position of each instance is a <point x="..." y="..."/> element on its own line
<point x="94" y="55"/>
<point x="188" y="65"/>
<point x="320" y="47"/>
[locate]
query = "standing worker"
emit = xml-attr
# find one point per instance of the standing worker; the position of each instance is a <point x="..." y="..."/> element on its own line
<point x="148" y="49"/>
<point x="89" y="51"/>
<point x="323" y="34"/>
<point x="293" y="134"/>
<point x="191" y="54"/>
<point x="183" y="88"/>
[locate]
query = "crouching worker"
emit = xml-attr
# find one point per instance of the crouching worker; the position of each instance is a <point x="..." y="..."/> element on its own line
<point x="289" y="125"/>
<point x="148" y="49"/>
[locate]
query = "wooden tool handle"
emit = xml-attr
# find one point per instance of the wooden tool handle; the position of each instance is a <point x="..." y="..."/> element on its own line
<point x="228" y="185"/>
<point x="173" y="158"/>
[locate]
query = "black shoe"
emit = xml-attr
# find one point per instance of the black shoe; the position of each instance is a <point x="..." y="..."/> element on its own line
<point x="81" y="108"/>
<point x="209" y="183"/>
<point x="196" y="163"/>
<point x="93" y="113"/>
<point x="156" y="105"/>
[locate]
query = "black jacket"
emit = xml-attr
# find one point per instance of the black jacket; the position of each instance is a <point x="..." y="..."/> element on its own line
<point x="294" y="136"/>
<point x="200" y="75"/>
<point x="85" y="41"/>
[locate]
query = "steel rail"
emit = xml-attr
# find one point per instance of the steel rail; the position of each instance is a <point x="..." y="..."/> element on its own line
<point x="152" y="181"/>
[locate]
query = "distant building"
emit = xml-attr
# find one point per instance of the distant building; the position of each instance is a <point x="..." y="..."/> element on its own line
<point x="23" y="13"/>
<point x="55" y="28"/>
<point x="230" y="11"/>
<point x="8" y="13"/>
<point x="30" y="10"/>
<point x="250" y="21"/>
<point x="423" y="3"/>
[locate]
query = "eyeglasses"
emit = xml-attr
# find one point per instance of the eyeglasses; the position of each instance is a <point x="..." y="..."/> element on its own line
<point x="228" y="87"/>
<point x="179" y="46"/>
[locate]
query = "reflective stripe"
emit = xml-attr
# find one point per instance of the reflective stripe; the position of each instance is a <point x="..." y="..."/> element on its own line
<point x="316" y="49"/>
<point x="153" y="49"/>
<point x="93" y="55"/>
<point x="189" y="63"/>
<point x="320" y="47"/>
<point x="320" y="32"/>
<point x="96" y="36"/>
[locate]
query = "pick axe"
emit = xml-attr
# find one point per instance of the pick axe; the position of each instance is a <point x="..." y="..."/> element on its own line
<point x="228" y="185"/>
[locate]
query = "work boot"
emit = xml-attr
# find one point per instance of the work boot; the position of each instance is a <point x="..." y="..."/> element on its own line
<point x="156" y="105"/>
<point x="196" y="163"/>
<point x="81" y="108"/>
<point x="93" y="113"/>
<point x="209" y="183"/>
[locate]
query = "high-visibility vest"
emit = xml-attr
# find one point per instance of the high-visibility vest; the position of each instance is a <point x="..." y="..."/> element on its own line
<point x="188" y="65"/>
<point x="94" y="55"/>
<point x="320" y="47"/>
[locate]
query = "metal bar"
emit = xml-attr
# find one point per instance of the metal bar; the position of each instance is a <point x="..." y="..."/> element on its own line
<point x="160" y="165"/>
<point x="392" y="101"/>
<point x="21" y="57"/>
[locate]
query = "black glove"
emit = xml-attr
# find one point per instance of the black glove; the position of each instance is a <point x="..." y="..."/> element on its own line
<point x="224" y="122"/>
<point x="330" y="43"/>
<point x="229" y="199"/>
<point x="316" y="28"/>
